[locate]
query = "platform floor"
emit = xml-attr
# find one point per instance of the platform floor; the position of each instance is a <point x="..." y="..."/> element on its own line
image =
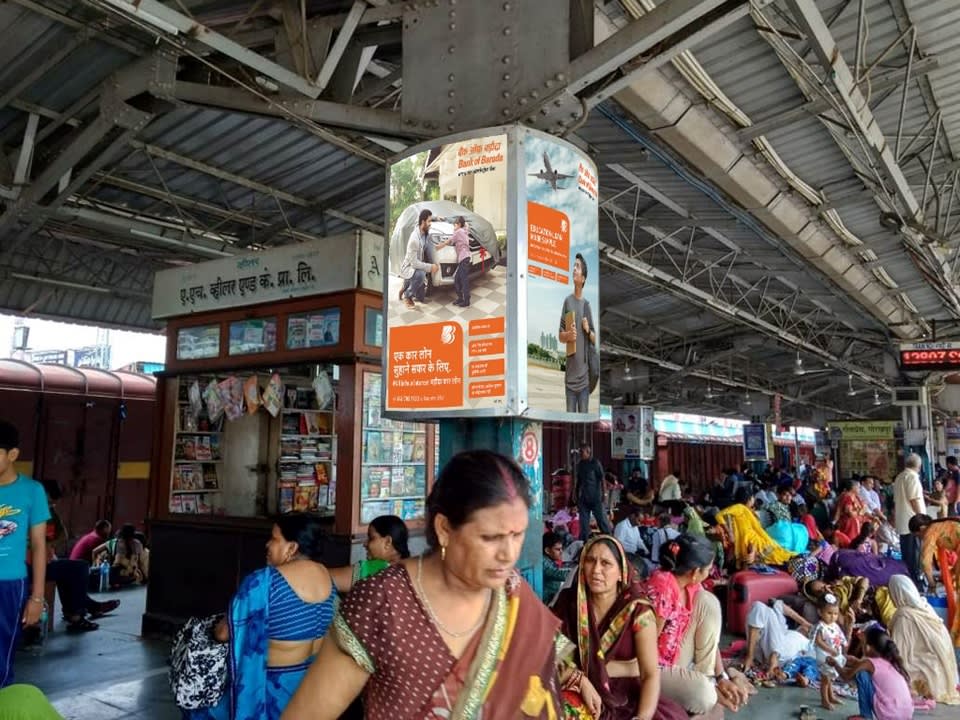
<point x="113" y="674"/>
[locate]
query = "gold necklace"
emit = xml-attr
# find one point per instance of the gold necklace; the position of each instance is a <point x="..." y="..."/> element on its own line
<point x="433" y="615"/>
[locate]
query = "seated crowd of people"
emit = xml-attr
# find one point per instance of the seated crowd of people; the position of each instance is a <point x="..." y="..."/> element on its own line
<point x="859" y="621"/>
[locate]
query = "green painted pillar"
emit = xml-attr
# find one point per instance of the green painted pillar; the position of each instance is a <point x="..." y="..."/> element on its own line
<point x="523" y="441"/>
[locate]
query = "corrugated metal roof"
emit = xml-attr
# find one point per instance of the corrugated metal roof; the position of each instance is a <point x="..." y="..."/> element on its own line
<point x="746" y="68"/>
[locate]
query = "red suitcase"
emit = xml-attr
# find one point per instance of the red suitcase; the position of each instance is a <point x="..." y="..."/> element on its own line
<point x="747" y="587"/>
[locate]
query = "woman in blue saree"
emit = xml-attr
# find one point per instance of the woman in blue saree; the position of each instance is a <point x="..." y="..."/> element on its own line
<point x="789" y="535"/>
<point x="276" y="624"/>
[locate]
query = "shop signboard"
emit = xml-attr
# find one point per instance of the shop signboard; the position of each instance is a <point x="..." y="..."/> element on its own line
<point x="864" y="430"/>
<point x="754" y="441"/>
<point x="483" y="332"/>
<point x="625" y="432"/>
<point x="324" y="265"/>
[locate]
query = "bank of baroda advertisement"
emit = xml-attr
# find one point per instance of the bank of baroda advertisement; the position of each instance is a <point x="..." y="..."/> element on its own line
<point x="446" y="286"/>
<point x="563" y="274"/>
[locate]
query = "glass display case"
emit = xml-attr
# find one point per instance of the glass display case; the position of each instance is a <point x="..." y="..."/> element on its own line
<point x="393" y="468"/>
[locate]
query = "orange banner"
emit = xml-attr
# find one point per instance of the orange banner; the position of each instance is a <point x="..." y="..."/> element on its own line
<point x="493" y="388"/>
<point x="426" y="366"/>
<point x="488" y="326"/>
<point x="487" y="368"/>
<point x="548" y="236"/>
<point x="492" y="346"/>
<point x="534" y="270"/>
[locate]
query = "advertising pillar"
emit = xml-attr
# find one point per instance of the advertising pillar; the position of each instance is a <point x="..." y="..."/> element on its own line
<point x="491" y="295"/>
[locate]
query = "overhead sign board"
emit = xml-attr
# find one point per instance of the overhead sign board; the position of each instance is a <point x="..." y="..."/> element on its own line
<point x="930" y="356"/>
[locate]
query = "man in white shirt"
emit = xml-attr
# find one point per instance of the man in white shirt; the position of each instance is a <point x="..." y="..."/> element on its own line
<point x="869" y="495"/>
<point x="627" y="531"/>
<point x="907" y="502"/>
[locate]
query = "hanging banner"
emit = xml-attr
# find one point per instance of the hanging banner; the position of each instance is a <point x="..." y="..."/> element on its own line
<point x="481" y="225"/>
<point x="648" y="433"/>
<point x="755" y="441"/>
<point x="625" y="432"/>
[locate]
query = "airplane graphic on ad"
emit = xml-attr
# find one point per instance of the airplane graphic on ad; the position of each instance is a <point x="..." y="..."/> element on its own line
<point x="549" y="175"/>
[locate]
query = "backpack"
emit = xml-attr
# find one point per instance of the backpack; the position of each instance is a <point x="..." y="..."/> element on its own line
<point x="198" y="665"/>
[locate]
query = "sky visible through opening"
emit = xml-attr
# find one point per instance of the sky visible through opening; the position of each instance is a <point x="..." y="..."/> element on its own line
<point x="127" y="347"/>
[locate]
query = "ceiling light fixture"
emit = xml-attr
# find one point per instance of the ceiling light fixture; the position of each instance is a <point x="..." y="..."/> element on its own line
<point x="798" y="365"/>
<point x="876" y="398"/>
<point x="850" y="390"/>
<point x="746" y="398"/>
<point x="709" y="394"/>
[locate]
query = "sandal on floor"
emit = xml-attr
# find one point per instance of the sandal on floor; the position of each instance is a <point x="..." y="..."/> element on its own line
<point x="82" y="625"/>
<point x="104" y="608"/>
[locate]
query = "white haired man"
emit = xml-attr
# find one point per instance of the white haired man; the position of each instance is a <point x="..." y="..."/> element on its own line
<point x="907" y="502"/>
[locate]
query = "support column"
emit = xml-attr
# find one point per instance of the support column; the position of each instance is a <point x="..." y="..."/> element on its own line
<point x="523" y="441"/>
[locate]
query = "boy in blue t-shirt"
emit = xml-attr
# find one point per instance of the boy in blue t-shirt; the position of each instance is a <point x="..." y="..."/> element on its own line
<point x="23" y="521"/>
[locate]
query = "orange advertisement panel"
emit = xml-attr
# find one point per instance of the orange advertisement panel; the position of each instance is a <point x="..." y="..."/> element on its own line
<point x="488" y="326"/>
<point x="487" y="346"/>
<point x="492" y="388"/>
<point x="548" y="236"/>
<point x="426" y="368"/>
<point x="534" y="270"/>
<point x="487" y="368"/>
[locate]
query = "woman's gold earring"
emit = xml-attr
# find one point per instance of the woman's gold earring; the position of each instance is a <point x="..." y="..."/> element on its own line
<point x="443" y="553"/>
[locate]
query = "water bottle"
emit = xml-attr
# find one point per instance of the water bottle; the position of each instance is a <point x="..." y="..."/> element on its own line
<point x="104" y="577"/>
<point x="36" y="647"/>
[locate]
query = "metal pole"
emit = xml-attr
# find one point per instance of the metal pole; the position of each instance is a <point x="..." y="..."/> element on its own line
<point x="858" y="63"/>
<point x="906" y="92"/>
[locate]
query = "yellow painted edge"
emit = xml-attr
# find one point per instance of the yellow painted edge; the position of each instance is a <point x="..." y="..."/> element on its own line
<point x="133" y="470"/>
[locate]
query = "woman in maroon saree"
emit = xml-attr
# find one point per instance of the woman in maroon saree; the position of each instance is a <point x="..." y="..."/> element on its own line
<point x="614" y="668"/>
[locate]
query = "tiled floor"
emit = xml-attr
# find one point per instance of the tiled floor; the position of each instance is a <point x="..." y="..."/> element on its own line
<point x="104" y="675"/>
<point x="113" y="674"/>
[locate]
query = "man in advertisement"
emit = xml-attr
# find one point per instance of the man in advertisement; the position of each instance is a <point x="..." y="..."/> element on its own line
<point x="460" y="240"/>
<point x="577" y="330"/>
<point x="413" y="269"/>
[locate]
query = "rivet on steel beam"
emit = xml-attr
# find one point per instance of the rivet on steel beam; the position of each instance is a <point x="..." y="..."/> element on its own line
<point x="506" y="93"/>
<point x="506" y="77"/>
<point x="574" y="115"/>
<point x="548" y="84"/>
<point x="451" y="93"/>
<point x="451" y="126"/>
<point x="523" y="101"/>
<point x="453" y="14"/>
<point x="452" y="49"/>
<point x="532" y="119"/>
<point x="560" y="77"/>
<point x="558" y="102"/>
<point x="507" y="7"/>
<point x="507" y="31"/>
<point x="451" y="77"/>
<point x="545" y="111"/>
<point x="453" y="26"/>
<point x="505" y="112"/>
<point x="534" y="94"/>
<point x="451" y="109"/>
<point x="505" y="59"/>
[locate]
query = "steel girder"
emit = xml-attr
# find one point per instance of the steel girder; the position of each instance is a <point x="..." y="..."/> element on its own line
<point x="870" y="154"/>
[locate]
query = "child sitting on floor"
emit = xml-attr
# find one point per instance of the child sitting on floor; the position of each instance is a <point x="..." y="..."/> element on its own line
<point x="883" y="685"/>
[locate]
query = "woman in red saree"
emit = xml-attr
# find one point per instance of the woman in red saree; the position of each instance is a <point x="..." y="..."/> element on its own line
<point x="850" y="510"/>
<point x="613" y="672"/>
<point x="454" y="634"/>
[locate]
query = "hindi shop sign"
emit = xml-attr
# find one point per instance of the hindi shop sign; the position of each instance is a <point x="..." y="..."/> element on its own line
<point x="321" y="266"/>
